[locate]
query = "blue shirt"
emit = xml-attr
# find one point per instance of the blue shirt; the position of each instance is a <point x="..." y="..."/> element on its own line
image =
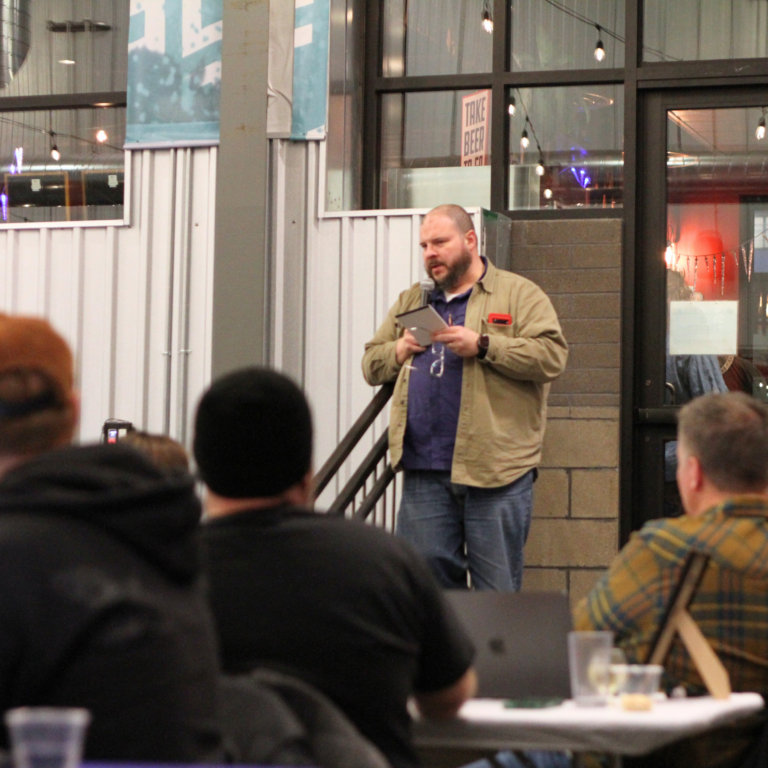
<point x="433" y="402"/>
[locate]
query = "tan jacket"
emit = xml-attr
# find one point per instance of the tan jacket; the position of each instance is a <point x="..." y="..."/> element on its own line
<point x="503" y="397"/>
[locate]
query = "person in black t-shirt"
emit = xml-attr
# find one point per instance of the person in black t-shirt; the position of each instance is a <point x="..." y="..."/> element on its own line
<point x="345" y="606"/>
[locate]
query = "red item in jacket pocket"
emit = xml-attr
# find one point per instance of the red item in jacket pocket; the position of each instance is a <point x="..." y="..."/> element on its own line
<point x="495" y="318"/>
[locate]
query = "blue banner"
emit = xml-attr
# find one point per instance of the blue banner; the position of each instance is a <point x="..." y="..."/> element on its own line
<point x="174" y="73"/>
<point x="310" y="69"/>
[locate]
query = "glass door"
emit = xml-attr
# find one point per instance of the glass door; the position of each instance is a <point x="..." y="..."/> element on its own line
<point x="702" y="293"/>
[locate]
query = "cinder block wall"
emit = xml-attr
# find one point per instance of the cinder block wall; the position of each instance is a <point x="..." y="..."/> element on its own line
<point x="574" y="534"/>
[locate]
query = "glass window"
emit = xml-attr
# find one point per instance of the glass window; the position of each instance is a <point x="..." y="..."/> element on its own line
<point x="79" y="46"/>
<point x="61" y="165"/>
<point x="691" y="30"/>
<point x="717" y="253"/>
<point x="435" y="148"/>
<point x="566" y="147"/>
<point x="435" y="37"/>
<point x="564" y="34"/>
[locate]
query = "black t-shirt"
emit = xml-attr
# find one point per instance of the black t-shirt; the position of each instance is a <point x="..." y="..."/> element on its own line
<point x="345" y="606"/>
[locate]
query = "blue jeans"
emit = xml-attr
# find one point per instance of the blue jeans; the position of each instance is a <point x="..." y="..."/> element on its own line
<point x="439" y="518"/>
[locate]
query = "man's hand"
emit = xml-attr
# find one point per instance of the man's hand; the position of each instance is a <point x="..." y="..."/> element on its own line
<point x="460" y="340"/>
<point x="406" y="346"/>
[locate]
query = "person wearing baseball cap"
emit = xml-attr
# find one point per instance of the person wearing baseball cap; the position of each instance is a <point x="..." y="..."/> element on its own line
<point x="100" y="599"/>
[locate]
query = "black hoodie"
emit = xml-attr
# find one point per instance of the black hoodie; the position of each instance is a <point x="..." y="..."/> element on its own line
<point x="100" y="602"/>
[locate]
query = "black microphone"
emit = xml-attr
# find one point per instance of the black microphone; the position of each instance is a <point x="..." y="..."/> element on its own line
<point x="427" y="286"/>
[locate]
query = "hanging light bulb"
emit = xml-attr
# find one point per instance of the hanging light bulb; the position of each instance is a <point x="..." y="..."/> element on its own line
<point x="487" y="17"/>
<point x="540" y="169"/>
<point x="760" y="132"/>
<point x="101" y="135"/>
<point x="55" y="154"/>
<point x="599" y="49"/>
<point x="524" y="140"/>
<point x="512" y="105"/>
<point x="548" y="194"/>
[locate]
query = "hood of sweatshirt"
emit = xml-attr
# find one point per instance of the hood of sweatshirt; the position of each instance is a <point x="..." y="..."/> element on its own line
<point x="115" y="488"/>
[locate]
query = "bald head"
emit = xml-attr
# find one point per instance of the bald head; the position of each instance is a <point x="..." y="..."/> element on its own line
<point x="460" y="218"/>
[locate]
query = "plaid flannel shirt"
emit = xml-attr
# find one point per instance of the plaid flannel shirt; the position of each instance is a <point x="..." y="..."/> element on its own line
<point x="730" y="607"/>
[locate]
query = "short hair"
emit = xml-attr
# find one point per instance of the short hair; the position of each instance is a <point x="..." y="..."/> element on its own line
<point x="728" y="434"/>
<point x="164" y="452"/>
<point x="461" y="219"/>
<point x="253" y="434"/>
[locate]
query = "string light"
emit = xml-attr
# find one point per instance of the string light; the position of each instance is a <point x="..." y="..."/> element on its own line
<point x="548" y="194"/>
<point x="487" y="17"/>
<point x="512" y="105"/>
<point x="599" y="49"/>
<point x="540" y="169"/>
<point x="55" y="154"/>
<point x="101" y="136"/>
<point x="760" y="132"/>
<point x="524" y="140"/>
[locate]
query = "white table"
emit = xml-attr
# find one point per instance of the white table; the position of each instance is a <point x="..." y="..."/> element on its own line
<point x="485" y="724"/>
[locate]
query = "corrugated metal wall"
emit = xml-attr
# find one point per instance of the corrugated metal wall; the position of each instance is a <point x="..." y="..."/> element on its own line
<point x="342" y="272"/>
<point x="134" y="302"/>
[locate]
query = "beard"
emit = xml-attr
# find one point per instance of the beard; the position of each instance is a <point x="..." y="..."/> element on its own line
<point x="454" y="274"/>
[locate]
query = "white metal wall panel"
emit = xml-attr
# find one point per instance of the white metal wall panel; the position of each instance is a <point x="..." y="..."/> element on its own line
<point x="134" y="302"/>
<point x="357" y="263"/>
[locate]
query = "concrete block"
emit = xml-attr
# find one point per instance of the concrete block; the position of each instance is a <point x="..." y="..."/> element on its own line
<point x="594" y="401"/>
<point x="551" y="494"/>
<point x="557" y="411"/>
<point x="587" y="412"/>
<point x="591" y="380"/>
<point x="581" y="443"/>
<point x="525" y="257"/>
<point x="571" y="543"/>
<point x="595" y="255"/>
<point x="574" y="231"/>
<point x="595" y="493"/>
<point x="581" y="583"/>
<point x="556" y="400"/>
<point x="586" y="305"/>
<point x="594" y="356"/>
<point x="519" y="232"/>
<point x="595" y="331"/>
<point x="545" y="580"/>
<point x="571" y="281"/>
<point x="563" y="304"/>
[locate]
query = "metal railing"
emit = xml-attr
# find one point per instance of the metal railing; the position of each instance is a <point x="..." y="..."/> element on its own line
<point x="368" y="491"/>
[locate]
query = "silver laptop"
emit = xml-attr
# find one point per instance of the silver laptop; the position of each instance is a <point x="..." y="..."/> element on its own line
<point x="521" y="640"/>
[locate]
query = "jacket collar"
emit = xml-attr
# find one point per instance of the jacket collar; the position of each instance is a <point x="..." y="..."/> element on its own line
<point x="488" y="280"/>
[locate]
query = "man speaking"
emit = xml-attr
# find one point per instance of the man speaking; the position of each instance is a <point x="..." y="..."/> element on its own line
<point x="468" y="414"/>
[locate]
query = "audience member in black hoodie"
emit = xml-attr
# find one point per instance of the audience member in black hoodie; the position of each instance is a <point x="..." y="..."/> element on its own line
<point x="100" y="605"/>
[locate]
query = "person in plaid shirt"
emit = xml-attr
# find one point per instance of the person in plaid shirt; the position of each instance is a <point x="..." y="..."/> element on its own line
<point x="722" y="476"/>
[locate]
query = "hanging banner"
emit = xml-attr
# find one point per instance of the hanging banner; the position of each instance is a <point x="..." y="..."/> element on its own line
<point x="475" y="128"/>
<point x="310" y="68"/>
<point x="174" y="73"/>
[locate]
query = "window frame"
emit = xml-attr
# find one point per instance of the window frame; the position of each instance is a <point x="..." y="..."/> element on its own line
<point x="635" y="77"/>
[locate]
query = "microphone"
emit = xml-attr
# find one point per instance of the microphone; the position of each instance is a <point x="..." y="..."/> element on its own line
<point x="427" y="286"/>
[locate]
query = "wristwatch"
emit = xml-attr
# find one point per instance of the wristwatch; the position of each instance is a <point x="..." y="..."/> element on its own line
<point x="482" y="345"/>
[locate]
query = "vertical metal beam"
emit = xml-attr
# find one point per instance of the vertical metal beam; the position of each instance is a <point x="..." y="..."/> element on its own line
<point x="371" y="102"/>
<point x="499" y="123"/>
<point x="632" y="169"/>
<point x="239" y="284"/>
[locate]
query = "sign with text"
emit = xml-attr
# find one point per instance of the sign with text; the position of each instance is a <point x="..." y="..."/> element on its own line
<point x="703" y="327"/>
<point x="475" y="128"/>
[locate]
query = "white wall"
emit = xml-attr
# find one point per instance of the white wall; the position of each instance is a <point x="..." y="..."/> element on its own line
<point x="351" y="266"/>
<point x="134" y="302"/>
